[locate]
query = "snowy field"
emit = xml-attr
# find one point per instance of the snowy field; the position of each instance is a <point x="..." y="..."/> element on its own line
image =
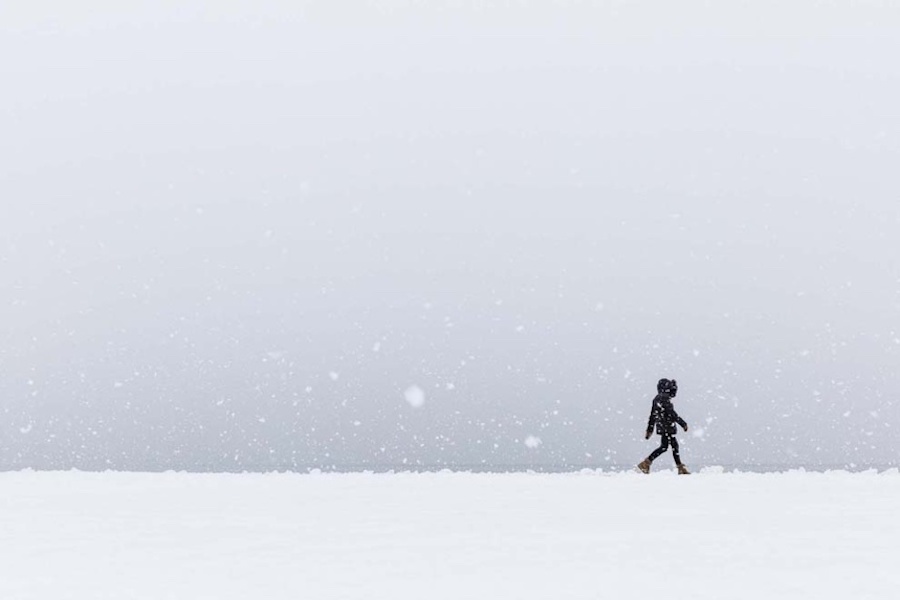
<point x="461" y="536"/>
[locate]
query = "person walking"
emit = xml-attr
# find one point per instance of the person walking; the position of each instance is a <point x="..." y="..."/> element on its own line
<point x="664" y="419"/>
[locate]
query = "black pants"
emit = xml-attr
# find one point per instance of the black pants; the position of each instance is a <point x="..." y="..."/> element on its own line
<point x="667" y="438"/>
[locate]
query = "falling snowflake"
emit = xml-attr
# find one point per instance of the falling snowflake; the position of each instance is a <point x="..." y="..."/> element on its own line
<point x="533" y="441"/>
<point x="415" y="396"/>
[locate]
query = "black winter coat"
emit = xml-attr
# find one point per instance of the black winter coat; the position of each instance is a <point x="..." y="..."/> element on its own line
<point x="664" y="417"/>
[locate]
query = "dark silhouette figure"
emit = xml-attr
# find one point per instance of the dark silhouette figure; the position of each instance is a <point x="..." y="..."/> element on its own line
<point x="664" y="419"/>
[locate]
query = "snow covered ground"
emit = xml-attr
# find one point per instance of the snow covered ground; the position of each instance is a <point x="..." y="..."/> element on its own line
<point x="461" y="536"/>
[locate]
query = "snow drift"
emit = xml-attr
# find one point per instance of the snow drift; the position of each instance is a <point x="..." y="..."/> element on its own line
<point x="448" y="535"/>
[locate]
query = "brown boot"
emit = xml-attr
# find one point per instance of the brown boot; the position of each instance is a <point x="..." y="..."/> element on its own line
<point x="682" y="470"/>
<point x="645" y="466"/>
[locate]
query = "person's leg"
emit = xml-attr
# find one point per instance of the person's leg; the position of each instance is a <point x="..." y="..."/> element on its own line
<point x="682" y="470"/>
<point x="664" y="445"/>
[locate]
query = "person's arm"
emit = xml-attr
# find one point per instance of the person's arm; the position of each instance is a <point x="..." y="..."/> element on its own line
<point x="674" y="417"/>
<point x="652" y="422"/>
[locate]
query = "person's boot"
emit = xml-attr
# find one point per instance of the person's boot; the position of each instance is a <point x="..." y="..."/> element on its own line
<point x="682" y="470"/>
<point x="645" y="466"/>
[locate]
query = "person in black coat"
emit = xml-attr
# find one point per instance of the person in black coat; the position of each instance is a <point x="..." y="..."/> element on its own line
<point x="664" y="419"/>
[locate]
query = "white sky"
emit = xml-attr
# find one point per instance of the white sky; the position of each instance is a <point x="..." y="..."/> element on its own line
<point x="532" y="210"/>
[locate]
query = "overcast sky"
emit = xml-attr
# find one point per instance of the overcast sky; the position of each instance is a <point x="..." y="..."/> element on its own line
<point x="254" y="235"/>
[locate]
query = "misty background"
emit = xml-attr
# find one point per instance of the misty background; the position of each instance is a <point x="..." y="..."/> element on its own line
<point x="371" y="235"/>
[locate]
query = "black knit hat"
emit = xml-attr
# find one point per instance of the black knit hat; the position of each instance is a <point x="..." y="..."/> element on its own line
<point x="667" y="386"/>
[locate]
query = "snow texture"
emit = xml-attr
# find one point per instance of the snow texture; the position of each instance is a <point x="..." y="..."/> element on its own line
<point x="794" y="535"/>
